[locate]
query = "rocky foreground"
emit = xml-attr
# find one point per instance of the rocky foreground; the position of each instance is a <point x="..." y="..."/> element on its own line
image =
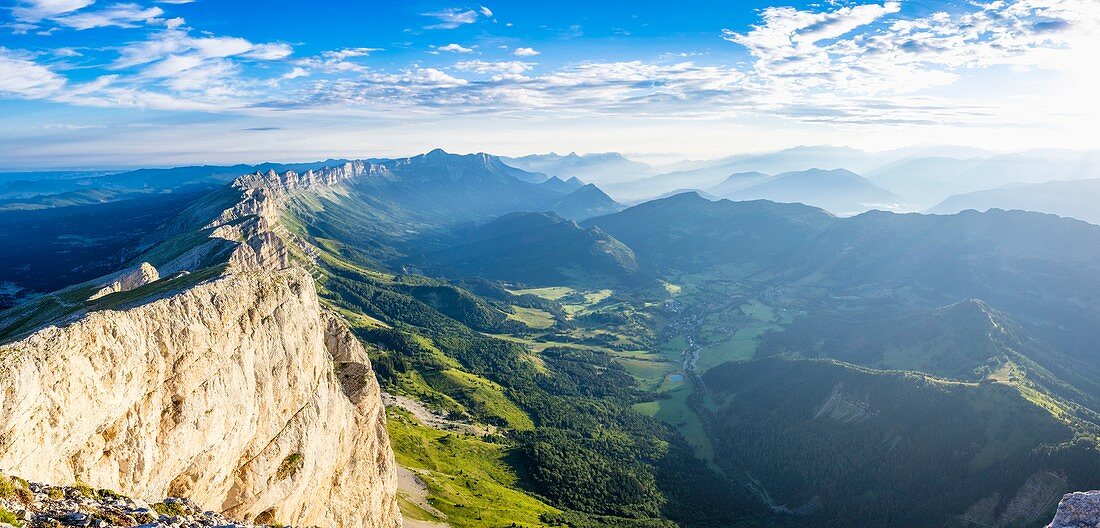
<point x="1078" y="510"/>
<point x="32" y="505"/>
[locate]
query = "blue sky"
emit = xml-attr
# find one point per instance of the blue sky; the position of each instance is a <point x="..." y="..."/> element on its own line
<point x="102" y="83"/>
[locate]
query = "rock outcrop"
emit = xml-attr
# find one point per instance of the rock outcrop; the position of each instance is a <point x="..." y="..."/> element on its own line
<point x="1078" y="510"/>
<point x="240" y="392"/>
<point x="130" y="279"/>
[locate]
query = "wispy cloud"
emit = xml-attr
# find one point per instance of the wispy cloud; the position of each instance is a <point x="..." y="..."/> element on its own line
<point x="270" y="51"/>
<point x="175" y="51"/>
<point x="22" y="77"/>
<point x="594" y="88"/>
<point x="336" y="61"/>
<point x="117" y="15"/>
<point x="488" y="67"/>
<point x="36" y="10"/>
<point x="452" y="18"/>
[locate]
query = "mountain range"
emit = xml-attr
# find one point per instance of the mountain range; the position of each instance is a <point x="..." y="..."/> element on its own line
<point x="599" y="168"/>
<point x="1074" y="198"/>
<point x="919" y="178"/>
<point x="456" y="340"/>
<point x="840" y="191"/>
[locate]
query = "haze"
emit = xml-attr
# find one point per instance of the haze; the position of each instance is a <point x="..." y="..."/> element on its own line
<point x="88" y="84"/>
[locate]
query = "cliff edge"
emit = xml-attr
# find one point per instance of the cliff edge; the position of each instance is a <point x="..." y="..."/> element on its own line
<point x="221" y="378"/>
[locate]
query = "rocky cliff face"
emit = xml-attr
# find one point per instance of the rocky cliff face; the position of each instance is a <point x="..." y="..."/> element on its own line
<point x="240" y="392"/>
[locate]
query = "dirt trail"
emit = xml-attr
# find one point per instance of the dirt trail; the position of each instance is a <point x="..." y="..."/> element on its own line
<point x="413" y="488"/>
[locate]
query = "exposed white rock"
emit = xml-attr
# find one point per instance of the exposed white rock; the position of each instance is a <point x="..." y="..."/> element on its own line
<point x="241" y="393"/>
<point x="127" y="280"/>
<point x="207" y="394"/>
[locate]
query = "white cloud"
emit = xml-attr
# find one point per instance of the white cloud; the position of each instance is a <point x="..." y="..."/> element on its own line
<point x="336" y="61"/>
<point x="22" y="77"/>
<point x="295" y="73"/>
<point x="20" y="28"/>
<point x="117" y="15"/>
<point x="801" y="51"/>
<point x="484" y="67"/>
<point x="346" y="53"/>
<point x="174" y="65"/>
<point x="861" y="64"/>
<point x="486" y="11"/>
<point x="636" y="88"/>
<point x="454" y="48"/>
<point x="202" y="71"/>
<point x="175" y="42"/>
<point x="213" y="78"/>
<point x="434" y="77"/>
<point x="35" y="10"/>
<point x="270" y="51"/>
<point x="452" y="18"/>
<point x="208" y="47"/>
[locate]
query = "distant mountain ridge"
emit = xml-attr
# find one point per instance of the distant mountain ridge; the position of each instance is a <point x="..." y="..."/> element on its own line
<point x="560" y="185"/>
<point x="1074" y="199"/>
<point x="707" y="174"/>
<point x="840" y="191"/>
<point x="599" y="168"/>
<point x="738" y="181"/>
<point x="927" y="181"/>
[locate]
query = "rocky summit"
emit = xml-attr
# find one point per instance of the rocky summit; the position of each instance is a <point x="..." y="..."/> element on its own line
<point x="1078" y="510"/>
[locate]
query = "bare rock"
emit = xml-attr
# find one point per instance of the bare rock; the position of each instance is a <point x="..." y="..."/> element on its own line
<point x="206" y="394"/>
<point x="127" y="280"/>
<point x="1078" y="510"/>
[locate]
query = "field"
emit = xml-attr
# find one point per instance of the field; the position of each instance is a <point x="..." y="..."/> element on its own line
<point x="532" y="317"/>
<point x="676" y="411"/>
<point x="551" y="293"/>
<point x="573" y="302"/>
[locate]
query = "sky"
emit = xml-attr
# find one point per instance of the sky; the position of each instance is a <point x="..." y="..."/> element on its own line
<point x="111" y="84"/>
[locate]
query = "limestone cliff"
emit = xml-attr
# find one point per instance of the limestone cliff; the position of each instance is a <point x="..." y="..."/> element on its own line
<point x="238" y="391"/>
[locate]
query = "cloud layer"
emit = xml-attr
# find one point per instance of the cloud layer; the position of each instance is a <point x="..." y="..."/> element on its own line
<point x="861" y="63"/>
